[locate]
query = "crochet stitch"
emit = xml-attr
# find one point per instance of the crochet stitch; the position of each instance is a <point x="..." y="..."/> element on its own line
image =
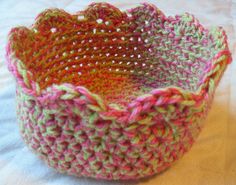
<point x="111" y="94"/>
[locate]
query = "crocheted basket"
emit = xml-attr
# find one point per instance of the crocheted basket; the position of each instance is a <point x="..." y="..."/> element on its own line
<point x="111" y="94"/>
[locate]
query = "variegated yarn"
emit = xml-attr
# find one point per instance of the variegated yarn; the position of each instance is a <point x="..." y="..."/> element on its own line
<point x="111" y="94"/>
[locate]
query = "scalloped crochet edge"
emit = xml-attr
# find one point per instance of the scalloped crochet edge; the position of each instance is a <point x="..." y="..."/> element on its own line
<point x="32" y="88"/>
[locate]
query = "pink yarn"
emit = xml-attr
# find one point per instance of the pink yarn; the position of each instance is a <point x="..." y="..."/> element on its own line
<point x="114" y="95"/>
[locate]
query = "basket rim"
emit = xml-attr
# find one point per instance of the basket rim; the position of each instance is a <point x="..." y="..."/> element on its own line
<point x="30" y="87"/>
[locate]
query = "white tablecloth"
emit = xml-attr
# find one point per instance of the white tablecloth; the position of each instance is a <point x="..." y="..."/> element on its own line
<point x="211" y="161"/>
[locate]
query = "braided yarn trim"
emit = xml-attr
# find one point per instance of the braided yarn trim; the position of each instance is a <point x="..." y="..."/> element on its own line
<point x="111" y="94"/>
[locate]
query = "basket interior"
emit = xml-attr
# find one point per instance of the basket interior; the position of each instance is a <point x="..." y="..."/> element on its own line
<point x="116" y="55"/>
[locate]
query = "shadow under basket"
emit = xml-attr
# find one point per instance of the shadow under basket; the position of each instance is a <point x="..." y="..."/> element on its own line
<point x="114" y="95"/>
